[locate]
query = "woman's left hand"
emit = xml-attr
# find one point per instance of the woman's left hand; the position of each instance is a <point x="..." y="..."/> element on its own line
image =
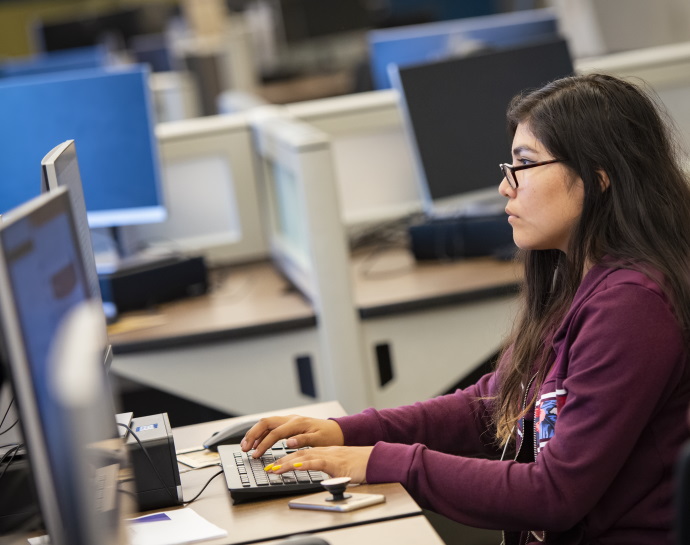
<point x="335" y="461"/>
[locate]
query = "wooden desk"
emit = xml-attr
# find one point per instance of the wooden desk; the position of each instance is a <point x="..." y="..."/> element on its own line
<point x="436" y="321"/>
<point x="209" y="348"/>
<point x="272" y="519"/>
<point x="244" y="300"/>
<point x="407" y="531"/>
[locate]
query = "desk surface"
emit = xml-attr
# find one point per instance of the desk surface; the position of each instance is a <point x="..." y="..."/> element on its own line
<point x="392" y="281"/>
<point x="255" y="299"/>
<point x="406" y="531"/>
<point x="272" y="519"/>
<point x="243" y="300"/>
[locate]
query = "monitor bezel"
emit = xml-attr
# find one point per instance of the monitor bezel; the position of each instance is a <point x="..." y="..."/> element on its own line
<point x="20" y="374"/>
<point x="70" y="530"/>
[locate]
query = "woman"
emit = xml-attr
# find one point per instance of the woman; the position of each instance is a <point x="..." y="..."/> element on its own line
<point x="581" y="422"/>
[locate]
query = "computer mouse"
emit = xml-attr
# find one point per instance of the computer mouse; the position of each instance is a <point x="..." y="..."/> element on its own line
<point x="230" y="435"/>
<point x="303" y="539"/>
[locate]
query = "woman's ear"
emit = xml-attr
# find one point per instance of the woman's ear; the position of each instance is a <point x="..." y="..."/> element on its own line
<point x="604" y="181"/>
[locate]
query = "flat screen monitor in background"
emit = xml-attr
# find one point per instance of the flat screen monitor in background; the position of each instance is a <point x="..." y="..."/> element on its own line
<point x="60" y="168"/>
<point x="307" y="19"/>
<point x="455" y="116"/>
<point x="114" y="27"/>
<point x="109" y="114"/>
<point x="57" y="61"/>
<point x="65" y="406"/>
<point x="416" y="44"/>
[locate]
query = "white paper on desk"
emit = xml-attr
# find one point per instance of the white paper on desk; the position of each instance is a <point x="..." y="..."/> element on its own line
<point x="184" y="526"/>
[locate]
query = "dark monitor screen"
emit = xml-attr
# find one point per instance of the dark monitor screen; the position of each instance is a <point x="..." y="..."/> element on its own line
<point x="66" y="416"/>
<point x="109" y="114"/>
<point x="114" y="27"/>
<point x="455" y="112"/>
<point x="430" y="42"/>
<point x="306" y="19"/>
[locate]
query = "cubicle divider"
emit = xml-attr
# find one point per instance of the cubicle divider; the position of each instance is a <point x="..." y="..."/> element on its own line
<point x="308" y="243"/>
<point x="374" y="168"/>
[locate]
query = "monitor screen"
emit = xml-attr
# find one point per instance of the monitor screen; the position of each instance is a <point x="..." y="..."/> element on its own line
<point x="65" y="407"/>
<point x="114" y="27"/>
<point x="455" y="112"/>
<point x="307" y="19"/>
<point x="109" y="114"/>
<point x="415" y="44"/>
<point x="69" y="59"/>
<point x="60" y="168"/>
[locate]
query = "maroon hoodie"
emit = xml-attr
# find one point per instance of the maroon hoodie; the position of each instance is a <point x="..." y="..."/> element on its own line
<point x="596" y="464"/>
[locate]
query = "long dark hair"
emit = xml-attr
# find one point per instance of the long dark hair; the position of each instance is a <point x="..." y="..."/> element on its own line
<point x="597" y="123"/>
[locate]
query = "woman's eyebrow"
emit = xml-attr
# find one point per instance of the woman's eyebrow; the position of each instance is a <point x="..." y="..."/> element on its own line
<point x="520" y="149"/>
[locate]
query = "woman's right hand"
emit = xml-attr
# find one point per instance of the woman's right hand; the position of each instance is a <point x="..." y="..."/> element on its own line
<point x="300" y="431"/>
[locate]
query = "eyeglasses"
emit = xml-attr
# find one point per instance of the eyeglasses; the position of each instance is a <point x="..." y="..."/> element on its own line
<point x="510" y="171"/>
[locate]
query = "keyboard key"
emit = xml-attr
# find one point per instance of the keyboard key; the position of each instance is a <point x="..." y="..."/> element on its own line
<point x="289" y="478"/>
<point x="302" y="477"/>
<point x="316" y="476"/>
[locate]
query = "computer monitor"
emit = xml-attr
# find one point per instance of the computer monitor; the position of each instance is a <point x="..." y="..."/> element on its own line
<point x="307" y="19"/>
<point x="416" y="44"/>
<point x="54" y="344"/>
<point x="208" y="164"/>
<point x="114" y="27"/>
<point x="455" y="116"/>
<point x="109" y="114"/>
<point x="57" y="61"/>
<point x="60" y="168"/>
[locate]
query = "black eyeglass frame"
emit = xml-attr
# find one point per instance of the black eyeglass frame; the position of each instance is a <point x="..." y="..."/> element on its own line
<point x="507" y="168"/>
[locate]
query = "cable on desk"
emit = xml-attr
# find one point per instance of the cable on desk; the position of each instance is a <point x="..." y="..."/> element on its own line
<point x="367" y="265"/>
<point x="14" y="450"/>
<point x="378" y="239"/>
<point x="203" y="488"/>
<point x="9" y="427"/>
<point x="385" y="234"/>
<point x="4" y="417"/>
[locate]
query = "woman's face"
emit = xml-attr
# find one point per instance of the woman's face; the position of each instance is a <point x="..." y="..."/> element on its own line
<point x="548" y="201"/>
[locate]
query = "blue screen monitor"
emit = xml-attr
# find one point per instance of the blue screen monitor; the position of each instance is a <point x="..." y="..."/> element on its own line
<point x="65" y="406"/>
<point x="429" y="42"/>
<point x="109" y="115"/>
<point x="80" y="58"/>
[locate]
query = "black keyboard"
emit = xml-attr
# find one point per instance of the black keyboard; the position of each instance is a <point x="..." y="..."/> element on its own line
<point x="247" y="480"/>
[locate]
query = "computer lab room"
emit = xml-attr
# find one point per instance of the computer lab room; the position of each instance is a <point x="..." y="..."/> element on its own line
<point x="248" y="247"/>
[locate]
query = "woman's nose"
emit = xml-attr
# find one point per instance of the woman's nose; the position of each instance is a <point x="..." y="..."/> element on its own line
<point x="505" y="189"/>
